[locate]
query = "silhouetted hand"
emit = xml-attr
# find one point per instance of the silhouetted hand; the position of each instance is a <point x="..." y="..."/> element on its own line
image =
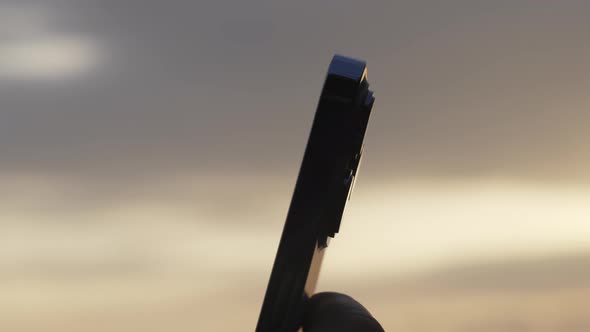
<point x="334" y="312"/>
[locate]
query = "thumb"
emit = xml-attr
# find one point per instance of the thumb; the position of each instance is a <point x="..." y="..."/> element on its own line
<point x="335" y="312"/>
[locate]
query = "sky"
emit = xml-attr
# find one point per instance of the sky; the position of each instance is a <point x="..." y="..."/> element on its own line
<point x="161" y="141"/>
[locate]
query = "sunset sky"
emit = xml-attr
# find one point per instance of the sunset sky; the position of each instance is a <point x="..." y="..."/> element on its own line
<point x="148" y="150"/>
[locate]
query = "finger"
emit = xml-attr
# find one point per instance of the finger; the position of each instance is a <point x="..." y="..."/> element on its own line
<point x="335" y="312"/>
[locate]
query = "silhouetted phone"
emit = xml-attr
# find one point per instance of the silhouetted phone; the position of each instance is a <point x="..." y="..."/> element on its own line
<point x="325" y="182"/>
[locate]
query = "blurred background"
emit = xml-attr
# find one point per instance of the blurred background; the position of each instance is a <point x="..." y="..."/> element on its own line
<point x="149" y="149"/>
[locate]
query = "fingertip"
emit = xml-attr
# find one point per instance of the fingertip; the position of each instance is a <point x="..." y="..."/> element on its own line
<point x="330" y="311"/>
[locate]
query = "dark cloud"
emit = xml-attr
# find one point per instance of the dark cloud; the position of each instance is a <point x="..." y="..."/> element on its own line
<point x="463" y="88"/>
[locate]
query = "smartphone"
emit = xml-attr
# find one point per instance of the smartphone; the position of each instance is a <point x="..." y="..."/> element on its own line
<point x="326" y="178"/>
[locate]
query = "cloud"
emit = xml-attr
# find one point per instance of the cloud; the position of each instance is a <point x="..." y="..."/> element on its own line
<point x="54" y="57"/>
<point x="34" y="47"/>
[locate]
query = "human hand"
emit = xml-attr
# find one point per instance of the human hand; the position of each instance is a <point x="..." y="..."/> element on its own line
<point x="335" y="312"/>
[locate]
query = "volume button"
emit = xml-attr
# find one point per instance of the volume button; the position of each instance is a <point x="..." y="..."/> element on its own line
<point x="369" y="100"/>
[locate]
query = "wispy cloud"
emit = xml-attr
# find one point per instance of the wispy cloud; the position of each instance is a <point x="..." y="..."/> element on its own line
<point x="33" y="47"/>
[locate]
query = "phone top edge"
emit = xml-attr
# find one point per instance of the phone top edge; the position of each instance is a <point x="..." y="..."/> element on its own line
<point x="347" y="67"/>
